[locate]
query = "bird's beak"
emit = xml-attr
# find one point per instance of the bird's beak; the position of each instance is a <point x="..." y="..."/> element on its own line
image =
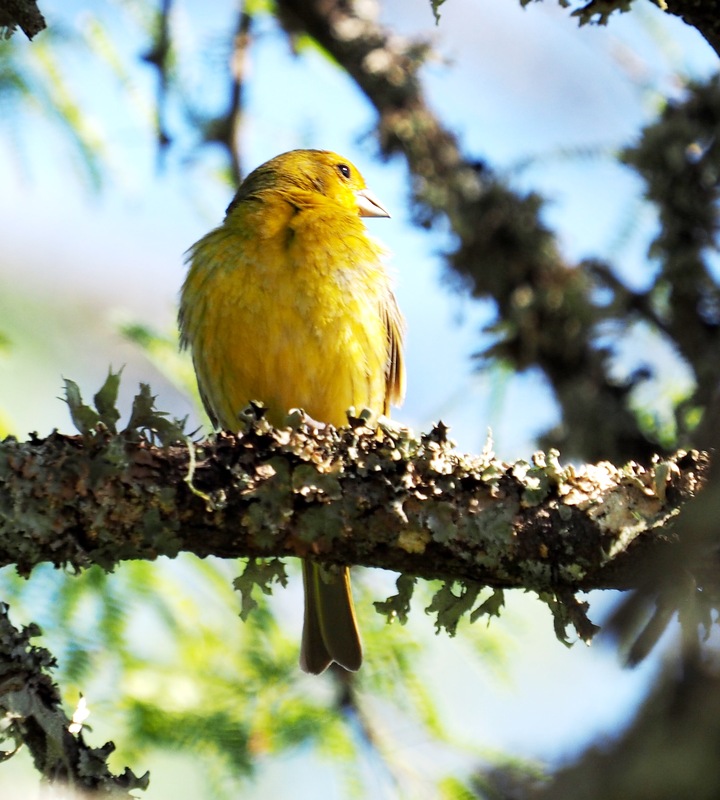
<point x="369" y="205"/>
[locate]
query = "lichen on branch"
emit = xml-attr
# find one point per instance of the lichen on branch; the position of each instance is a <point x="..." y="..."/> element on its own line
<point x="361" y="495"/>
<point x="32" y="714"/>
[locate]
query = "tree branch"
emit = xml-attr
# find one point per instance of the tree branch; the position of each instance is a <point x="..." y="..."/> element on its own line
<point x="678" y="156"/>
<point x="33" y="715"/>
<point x="23" y="13"/>
<point x="701" y="14"/>
<point x="347" y="496"/>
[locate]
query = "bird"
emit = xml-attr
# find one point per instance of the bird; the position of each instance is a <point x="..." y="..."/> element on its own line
<point x="289" y="303"/>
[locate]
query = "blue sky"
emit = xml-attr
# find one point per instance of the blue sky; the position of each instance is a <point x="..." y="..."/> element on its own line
<point x="520" y="86"/>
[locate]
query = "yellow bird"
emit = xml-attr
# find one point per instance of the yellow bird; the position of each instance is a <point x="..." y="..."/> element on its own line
<point x="288" y="302"/>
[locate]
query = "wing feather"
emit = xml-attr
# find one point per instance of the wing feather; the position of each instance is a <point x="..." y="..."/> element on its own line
<point x="395" y="367"/>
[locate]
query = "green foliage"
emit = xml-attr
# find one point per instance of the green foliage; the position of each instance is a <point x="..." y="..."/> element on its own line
<point x="490" y="607"/>
<point x="88" y="420"/>
<point x="397" y="606"/>
<point x="454" y="789"/>
<point x="449" y="608"/>
<point x="34" y="78"/>
<point x="145" y="419"/>
<point x="569" y="611"/>
<point x="435" y="5"/>
<point x="153" y="424"/>
<point x="258" y="573"/>
<point x="511" y="778"/>
<point x="595" y="11"/>
<point x="164" y="664"/>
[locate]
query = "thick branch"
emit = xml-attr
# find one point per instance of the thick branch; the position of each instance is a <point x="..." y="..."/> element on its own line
<point x="351" y="496"/>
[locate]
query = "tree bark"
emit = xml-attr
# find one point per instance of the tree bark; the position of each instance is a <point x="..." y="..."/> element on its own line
<point x="350" y="496"/>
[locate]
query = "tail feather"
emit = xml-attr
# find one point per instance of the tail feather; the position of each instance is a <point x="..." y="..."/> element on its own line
<point x="330" y="631"/>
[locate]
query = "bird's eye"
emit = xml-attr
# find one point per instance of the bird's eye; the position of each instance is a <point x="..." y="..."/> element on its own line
<point x="344" y="170"/>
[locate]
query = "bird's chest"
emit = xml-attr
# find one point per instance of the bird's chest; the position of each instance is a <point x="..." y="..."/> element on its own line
<point x="304" y="328"/>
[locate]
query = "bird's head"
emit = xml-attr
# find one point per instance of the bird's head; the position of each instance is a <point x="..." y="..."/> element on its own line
<point x="313" y="172"/>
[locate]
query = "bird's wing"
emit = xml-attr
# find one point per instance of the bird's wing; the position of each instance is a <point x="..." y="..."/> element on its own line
<point x="205" y="401"/>
<point x="395" y="369"/>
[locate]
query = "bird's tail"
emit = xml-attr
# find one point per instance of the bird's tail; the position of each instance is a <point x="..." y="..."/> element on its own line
<point x="330" y="631"/>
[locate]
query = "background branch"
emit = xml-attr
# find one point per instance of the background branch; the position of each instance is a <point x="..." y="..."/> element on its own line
<point x="22" y="13"/>
<point x="545" y="313"/>
<point x="33" y="715"/>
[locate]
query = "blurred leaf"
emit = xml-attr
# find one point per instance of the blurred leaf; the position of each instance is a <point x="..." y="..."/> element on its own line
<point x="435" y="5"/>
<point x="454" y="789"/>
<point x="164" y="354"/>
<point x="50" y="91"/>
<point x="397" y="606"/>
<point x="490" y="607"/>
<point x="261" y="574"/>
